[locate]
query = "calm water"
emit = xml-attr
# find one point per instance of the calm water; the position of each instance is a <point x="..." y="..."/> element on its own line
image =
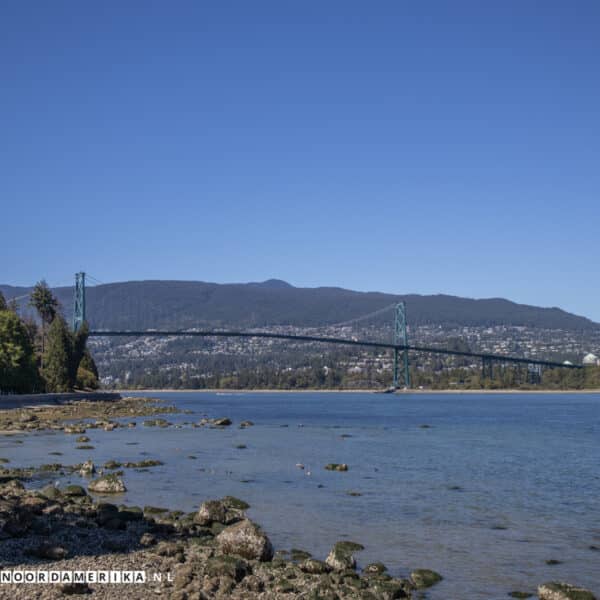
<point x="497" y="485"/>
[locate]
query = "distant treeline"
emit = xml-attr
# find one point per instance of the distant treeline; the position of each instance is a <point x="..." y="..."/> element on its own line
<point x="315" y="376"/>
<point x="47" y="357"/>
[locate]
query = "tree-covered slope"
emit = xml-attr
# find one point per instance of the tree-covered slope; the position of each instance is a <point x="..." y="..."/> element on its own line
<point x="185" y="304"/>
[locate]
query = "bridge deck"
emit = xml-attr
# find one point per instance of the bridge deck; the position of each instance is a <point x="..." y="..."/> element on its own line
<point x="339" y="341"/>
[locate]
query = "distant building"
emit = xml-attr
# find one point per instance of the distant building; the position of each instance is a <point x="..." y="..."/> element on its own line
<point x="591" y="360"/>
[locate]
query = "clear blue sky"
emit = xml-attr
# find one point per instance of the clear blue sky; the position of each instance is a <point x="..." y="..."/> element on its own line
<point x="419" y="147"/>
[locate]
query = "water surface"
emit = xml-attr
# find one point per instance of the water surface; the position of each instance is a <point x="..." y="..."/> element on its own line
<point x="490" y="490"/>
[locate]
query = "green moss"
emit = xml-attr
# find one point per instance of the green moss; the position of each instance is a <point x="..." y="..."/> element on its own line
<point x="233" y="502"/>
<point x="424" y="578"/>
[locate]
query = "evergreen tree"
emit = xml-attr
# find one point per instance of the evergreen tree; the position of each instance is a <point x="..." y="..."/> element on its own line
<point x="46" y="305"/>
<point x="18" y="371"/>
<point x="58" y="357"/>
<point x="3" y="305"/>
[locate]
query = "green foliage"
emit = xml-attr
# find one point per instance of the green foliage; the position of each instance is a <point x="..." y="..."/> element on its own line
<point x="88" y="363"/>
<point x="63" y="358"/>
<point x="18" y="370"/>
<point x="3" y="305"/>
<point x="86" y="380"/>
<point x="43" y="300"/>
<point x="58" y="358"/>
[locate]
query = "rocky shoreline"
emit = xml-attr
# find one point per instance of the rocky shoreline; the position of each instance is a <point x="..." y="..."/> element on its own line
<point x="214" y="552"/>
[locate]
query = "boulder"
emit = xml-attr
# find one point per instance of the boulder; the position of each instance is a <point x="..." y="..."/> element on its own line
<point x="107" y="484"/>
<point x="222" y="422"/>
<point x="211" y="511"/>
<point x="87" y="468"/>
<point x="424" y="578"/>
<point x="221" y="566"/>
<point x="48" y="551"/>
<point x="376" y="568"/>
<point x="14" y="521"/>
<point x="341" y="556"/>
<point x="336" y="467"/>
<point x="314" y="566"/>
<point x="558" y="590"/>
<point x="50" y="492"/>
<point x="74" y="490"/>
<point x="245" y="539"/>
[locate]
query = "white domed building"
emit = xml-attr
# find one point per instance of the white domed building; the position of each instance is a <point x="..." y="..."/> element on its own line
<point x="591" y="360"/>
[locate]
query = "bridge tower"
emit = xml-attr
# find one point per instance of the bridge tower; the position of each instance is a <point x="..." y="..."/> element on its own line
<point x="79" y="301"/>
<point x="401" y="339"/>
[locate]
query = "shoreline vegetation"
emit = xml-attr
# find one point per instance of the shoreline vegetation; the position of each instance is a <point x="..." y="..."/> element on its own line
<point x="223" y="391"/>
<point x="212" y="552"/>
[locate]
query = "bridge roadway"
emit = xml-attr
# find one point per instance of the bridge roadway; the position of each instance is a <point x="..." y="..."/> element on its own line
<point x="339" y="341"/>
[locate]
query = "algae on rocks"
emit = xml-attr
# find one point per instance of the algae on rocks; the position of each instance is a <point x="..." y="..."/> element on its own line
<point x="107" y="484"/>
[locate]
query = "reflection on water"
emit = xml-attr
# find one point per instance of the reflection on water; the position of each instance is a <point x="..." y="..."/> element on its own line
<point x="494" y="487"/>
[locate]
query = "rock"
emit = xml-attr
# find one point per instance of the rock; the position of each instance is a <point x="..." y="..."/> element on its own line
<point x="50" y="492"/>
<point x="222" y="422"/>
<point x="75" y="588"/>
<point x="211" y="511"/>
<point x="48" y="551"/>
<point x="74" y="491"/>
<point x="376" y="568"/>
<point x="336" y="467"/>
<point x="82" y="439"/>
<point x="131" y="513"/>
<point x="520" y="594"/>
<point x="247" y="540"/>
<point x="341" y="556"/>
<point x="553" y="561"/>
<point x="112" y="464"/>
<point x="236" y="503"/>
<point x="424" y="578"/>
<point x="227" y="566"/>
<point x="297" y="555"/>
<point x="245" y="424"/>
<point x="156" y="423"/>
<point x="14" y="521"/>
<point x="148" y="539"/>
<point x="143" y="464"/>
<point x="557" y="590"/>
<point x="87" y="468"/>
<point x="74" y="429"/>
<point x="314" y="566"/>
<point x="107" y="484"/>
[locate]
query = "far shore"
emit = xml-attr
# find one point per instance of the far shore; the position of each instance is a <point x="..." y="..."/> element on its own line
<point x="353" y="391"/>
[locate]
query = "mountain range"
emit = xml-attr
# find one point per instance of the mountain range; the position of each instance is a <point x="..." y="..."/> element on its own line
<point x="187" y="304"/>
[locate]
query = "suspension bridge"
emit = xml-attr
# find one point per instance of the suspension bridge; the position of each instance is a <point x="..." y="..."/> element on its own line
<point x="400" y="346"/>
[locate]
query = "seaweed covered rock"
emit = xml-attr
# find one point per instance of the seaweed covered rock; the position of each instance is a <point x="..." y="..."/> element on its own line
<point x="14" y="520"/>
<point x="245" y="539"/>
<point x="74" y="490"/>
<point x="107" y="484"/>
<point x="336" y="467"/>
<point x="225" y="511"/>
<point x="341" y="556"/>
<point x="87" y="468"/>
<point x="424" y="578"/>
<point x="558" y="590"/>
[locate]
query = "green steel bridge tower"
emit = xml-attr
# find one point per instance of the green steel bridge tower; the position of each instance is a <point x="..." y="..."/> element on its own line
<point x="79" y="301"/>
<point x="401" y="339"/>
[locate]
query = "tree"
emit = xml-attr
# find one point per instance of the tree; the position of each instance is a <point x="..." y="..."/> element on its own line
<point x="18" y="371"/>
<point x="3" y="305"/>
<point x="58" y="358"/>
<point x="46" y="305"/>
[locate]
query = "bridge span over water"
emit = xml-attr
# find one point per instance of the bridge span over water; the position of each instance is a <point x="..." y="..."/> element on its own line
<point x="400" y="346"/>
